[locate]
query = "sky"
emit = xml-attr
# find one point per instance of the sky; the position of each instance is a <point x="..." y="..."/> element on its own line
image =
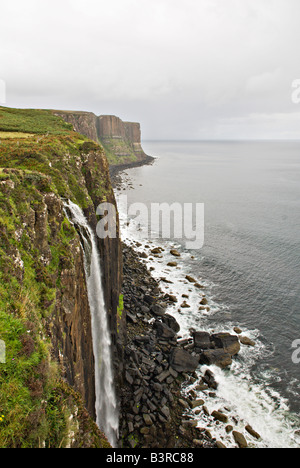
<point x="192" y="69"/>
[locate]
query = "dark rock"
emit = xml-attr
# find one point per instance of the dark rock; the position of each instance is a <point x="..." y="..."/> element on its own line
<point x="190" y="279"/>
<point x="204" y="301"/>
<point x="216" y="357"/>
<point x="252" y="432"/>
<point x="202" y="340"/>
<point x="182" y="361"/>
<point x="220" y="416"/>
<point x="230" y="343"/>
<point x="147" y="419"/>
<point x="175" y="253"/>
<point x="149" y="299"/>
<point x="240" y="439"/>
<point x="246" y="341"/>
<point x="157" y="310"/>
<point x="171" y="322"/>
<point x="163" y="331"/>
<point x="162" y="376"/>
<point x="209" y="379"/>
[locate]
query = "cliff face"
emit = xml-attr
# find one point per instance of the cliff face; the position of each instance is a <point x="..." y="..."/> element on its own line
<point x="121" y="140"/>
<point x="44" y="312"/>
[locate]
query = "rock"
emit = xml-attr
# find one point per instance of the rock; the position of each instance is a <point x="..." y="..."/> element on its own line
<point x="220" y="445"/>
<point x="240" y="439"/>
<point x="143" y="255"/>
<point x="252" y="432"/>
<point x="198" y="443"/>
<point x="237" y="330"/>
<point x="216" y="357"/>
<point x="201" y="341"/>
<point x="145" y="430"/>
<point x="185" y="305"/>
<point x="149" y="299"/>
<point x="246" y="341"/>
<point x="163" y="376"/>
<point x="190" y="423"/>
<point x="166" y="412"/>
<point x="130" y="427"/>
<point x="172" y="264"/>
<point x="209" y="379"/>
<point x="163" y="331"/>
<point x="197" y="403"/>
<point x="171" y="322"/>
<point x="175" y="253"/>
<point x="147" y="419"/>
<point x="183" y="403"/>
<point x="230" y="343"/>
<point x="128" y="378"/>
<point x="156" y="251"/>
<point x="229" y="429"/>
<point x="182" y="361"/>
<point x="220" y="416"/>
<point x="190" y="279"/>
<point x="204" y="301"/>
<point x="172" y="298"/>
<point x="157" y="310"/>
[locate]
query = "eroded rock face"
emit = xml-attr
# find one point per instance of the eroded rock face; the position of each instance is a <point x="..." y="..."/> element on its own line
<point x="121" y="139"/>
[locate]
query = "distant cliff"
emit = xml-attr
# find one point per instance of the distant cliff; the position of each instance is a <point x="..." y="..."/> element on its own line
<point x="121" y="140"/>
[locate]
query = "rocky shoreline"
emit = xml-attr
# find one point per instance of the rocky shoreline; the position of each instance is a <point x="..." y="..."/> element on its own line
<point x="157" y="409"/>
<point x="160" y="396"/>
<point x="152" y="406"/>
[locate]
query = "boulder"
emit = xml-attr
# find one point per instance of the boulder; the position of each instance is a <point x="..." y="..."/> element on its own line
<point x="217" y="357"/>
<point x="209" y="379"/>
<point x="246" y="341"/>
<point x="197" y="403"/>
<point x="230" y="343"/>
<point x="190" y="279"/>
<point x="218" y="416"/>
<point x="182" y="361"/>
<point x="156" y="251"/>
<point x="172" y="264"/>
<point x="252" y="432"/>
<point x="240" y="439"/>
<point x="201" y="341"/>
<point x="147" y="419"/>
<point x="163" y="331"/>
<point x="171" y="322"/>
<point x="175" y="253"/>
<point x="157" y="310"/>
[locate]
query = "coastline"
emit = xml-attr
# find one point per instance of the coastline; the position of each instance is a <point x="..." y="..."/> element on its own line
<point x="115" y="171"/>
<point x="153" y="332"/>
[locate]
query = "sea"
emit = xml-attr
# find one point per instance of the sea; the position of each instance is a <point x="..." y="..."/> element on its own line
<point x="248" y="267"/>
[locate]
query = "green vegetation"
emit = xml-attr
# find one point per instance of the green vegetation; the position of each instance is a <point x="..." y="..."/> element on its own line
<point x="37" y="408"/>
<point x="32" y="121"/>
<point x="118" y="151"/>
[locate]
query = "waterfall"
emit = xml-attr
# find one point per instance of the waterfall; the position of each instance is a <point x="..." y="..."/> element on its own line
<point x="106" y="403"/>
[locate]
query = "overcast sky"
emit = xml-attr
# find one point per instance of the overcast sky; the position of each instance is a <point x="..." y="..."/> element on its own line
<point x="192" y="69"/>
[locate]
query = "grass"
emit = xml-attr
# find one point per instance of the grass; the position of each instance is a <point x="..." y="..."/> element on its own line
<point x="32" y="121"/>
<point x="9" y="135"/>
<point x="36" y="406"/>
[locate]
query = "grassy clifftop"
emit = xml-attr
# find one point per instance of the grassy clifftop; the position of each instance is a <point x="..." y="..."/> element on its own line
<point x="41" y="161"/>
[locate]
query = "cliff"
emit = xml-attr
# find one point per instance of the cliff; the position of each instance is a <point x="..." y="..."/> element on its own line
<point x="47" y="381"/>
<point x="121" y="140"/>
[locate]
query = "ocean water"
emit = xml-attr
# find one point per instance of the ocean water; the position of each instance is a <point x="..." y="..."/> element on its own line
<point x="249" y="266"/>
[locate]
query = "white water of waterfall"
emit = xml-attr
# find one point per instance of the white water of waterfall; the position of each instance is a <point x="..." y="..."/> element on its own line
<point x="106" y="403"/>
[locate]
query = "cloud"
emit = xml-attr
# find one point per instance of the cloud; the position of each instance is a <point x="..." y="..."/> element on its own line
<point x="200" y="61"/>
